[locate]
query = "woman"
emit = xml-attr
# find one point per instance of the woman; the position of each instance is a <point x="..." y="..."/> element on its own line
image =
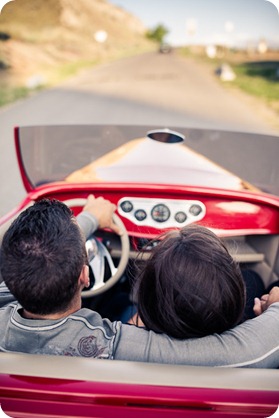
<point x="190" y="286"/>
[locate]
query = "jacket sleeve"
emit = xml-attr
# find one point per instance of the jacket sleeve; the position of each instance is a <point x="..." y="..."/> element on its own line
<point x="88" y="223"/>
<point x="254" y="343"/>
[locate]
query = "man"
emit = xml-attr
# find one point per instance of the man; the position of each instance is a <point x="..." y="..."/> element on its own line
<point x="44" y="265"/>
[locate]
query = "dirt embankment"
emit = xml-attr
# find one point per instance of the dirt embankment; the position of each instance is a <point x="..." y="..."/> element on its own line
<point x="49" y="38"/>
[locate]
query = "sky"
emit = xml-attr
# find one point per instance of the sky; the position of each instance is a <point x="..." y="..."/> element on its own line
<point x="209" y="21"/>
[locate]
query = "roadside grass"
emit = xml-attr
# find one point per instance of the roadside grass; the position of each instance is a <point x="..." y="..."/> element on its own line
<point x="66" y="70"/>
<point x="260" y="79"/>
<point x="11" y="94"/>
<point x="11" y="91"/>
<point x="254" y="75"/>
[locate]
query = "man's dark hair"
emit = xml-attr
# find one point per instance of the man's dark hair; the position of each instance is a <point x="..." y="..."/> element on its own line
<point x="42" y="256"/>
<point x="190" y="286"/>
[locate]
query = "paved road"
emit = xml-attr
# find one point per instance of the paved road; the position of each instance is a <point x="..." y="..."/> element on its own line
<point x="155" y="89"/>
<point x="177" y="85"/>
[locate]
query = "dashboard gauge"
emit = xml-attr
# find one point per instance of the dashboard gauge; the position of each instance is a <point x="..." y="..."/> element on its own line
<point x="195" y="210"/>
<point x="140" y="214"/>
<point x="180" y="217"/>
<point x="126" y="206"/>
<point x="160" y="213"/>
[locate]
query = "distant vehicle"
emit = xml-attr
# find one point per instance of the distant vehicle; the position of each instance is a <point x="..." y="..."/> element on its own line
<point x="165" y="48"/>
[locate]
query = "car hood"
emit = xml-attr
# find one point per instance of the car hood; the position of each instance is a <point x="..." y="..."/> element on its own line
<point x="147" y="161"/>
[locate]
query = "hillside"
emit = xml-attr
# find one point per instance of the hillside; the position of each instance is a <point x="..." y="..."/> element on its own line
<point x="50" y="39"/>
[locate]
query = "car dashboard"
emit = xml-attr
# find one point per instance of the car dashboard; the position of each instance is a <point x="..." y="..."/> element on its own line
<point x="247" y="222"/>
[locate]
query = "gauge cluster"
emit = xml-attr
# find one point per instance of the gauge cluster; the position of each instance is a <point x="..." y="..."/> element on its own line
<point x="161" y="213"/>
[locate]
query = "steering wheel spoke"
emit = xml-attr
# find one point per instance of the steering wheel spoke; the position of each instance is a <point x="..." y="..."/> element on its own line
<point x="98" y="256"/>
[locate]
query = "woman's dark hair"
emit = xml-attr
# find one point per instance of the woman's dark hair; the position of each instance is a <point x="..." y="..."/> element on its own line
<point x="42" y="256"/>
<point x="190" y="286"/>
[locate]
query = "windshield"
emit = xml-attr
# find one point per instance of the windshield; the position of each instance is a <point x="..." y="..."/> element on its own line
<point x="210" y="158"/>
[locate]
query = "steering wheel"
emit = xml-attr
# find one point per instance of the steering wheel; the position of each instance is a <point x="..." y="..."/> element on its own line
<point x="98" y="255"/>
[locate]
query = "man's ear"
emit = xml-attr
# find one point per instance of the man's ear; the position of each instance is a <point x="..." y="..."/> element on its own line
<point x="83" y="279"/>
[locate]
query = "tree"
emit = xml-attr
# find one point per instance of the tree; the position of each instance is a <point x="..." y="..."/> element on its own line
<point x="158" y="33"/>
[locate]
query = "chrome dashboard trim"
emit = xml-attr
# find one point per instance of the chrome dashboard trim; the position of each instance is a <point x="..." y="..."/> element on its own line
<point x="146" y="205"/>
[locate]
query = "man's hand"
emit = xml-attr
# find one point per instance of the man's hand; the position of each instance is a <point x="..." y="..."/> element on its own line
<point x="103" y="210"/>
<point x="262" y="304"/>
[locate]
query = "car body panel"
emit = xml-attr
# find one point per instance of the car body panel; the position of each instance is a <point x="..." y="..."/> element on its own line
<point x="228" y="213"/>
<point x="89" y="388"/>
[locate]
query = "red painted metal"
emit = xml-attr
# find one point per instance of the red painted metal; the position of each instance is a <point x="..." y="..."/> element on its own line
<point x="41" y="397"/>
<point x="228" y="212"/>
<point x="24" y="177"/>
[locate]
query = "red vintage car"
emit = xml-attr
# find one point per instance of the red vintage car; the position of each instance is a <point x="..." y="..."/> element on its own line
<point x="159" y="179"/>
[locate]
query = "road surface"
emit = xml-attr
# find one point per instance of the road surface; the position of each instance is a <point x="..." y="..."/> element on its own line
<point x="156" y="89"/>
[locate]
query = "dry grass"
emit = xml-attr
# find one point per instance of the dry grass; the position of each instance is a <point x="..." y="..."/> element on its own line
<point x="53" y="39"/>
